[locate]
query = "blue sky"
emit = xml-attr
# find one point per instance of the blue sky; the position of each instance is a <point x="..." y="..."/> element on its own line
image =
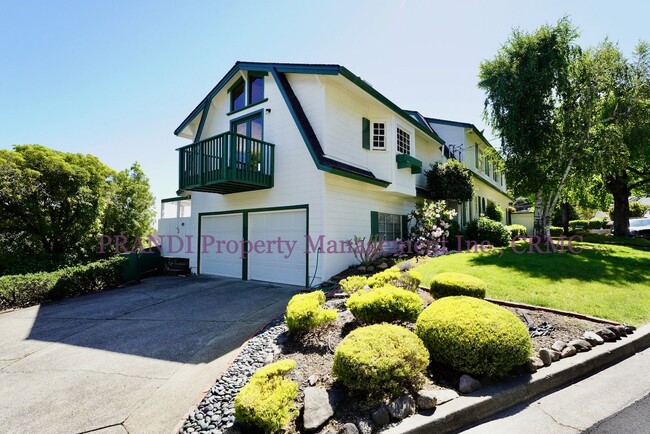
<point x="115" y="78"/>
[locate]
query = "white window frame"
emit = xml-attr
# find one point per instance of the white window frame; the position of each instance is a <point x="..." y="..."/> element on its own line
<point x="383" y="233"/>
<point x="372" y="135"/>
<point x="410" y="134"/>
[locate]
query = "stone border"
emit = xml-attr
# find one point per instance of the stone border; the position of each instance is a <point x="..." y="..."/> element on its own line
<point x="469" y="410"/>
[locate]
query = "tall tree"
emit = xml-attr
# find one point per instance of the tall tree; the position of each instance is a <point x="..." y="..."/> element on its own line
<point x="533" y="102"/>
<point x="450" y="181"/>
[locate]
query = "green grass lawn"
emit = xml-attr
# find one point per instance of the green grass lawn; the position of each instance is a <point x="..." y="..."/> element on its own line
<point x="608" y="281"/>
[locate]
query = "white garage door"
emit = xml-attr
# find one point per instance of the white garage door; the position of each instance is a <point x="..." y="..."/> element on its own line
<point x="276" y="263"/>
<point x="227" y="227"/>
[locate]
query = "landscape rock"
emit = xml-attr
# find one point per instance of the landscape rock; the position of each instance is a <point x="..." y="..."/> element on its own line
<point x="364" y="425"/>
<point x="382" y="266"/>
<point x="370" y="268"/>
<point x="349" y="428"/>
<point x="593" y="338"/>
<point x="606" y="334"/>
<point x="614" y="330"/>
<point x="312" y="379"/>
<point x="361" y="268"/>
<point x="534" y="363"/>
<point x="545" y="355"/>
<point x="580" y="344"/>
<point x="621" y="330"/>
<point x="319" y="406"/>
<point x="426" y="399"/>
<point x="402" y="407"/>
<point x="558" y="346"/>
<point x="629" y="329"/>
<point x="445" y="395"/>
<point x="468" y="384"/>
<point x="555" y="355"/>
<point x="328" y="430"/>
<point x="569" y="351"/>
<point x="380" y="416"/>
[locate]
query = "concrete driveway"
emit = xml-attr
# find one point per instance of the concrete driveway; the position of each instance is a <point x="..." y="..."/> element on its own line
<point x="132" y="360"/>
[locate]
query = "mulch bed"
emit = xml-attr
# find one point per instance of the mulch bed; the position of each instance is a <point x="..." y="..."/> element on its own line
<point x="314" y="354"/>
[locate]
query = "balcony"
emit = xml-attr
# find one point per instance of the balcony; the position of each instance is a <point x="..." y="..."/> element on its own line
<point x="227" y="163"/>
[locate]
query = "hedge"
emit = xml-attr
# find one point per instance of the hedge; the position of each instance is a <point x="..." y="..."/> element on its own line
<point x="484" y="229"/>
<point x="385" y="304"/>
<point x="28" y="289"/>
<point x="583" y="223"/>
<point x="556" y="231"/>
<point x="449" y="284"/>
<point x="517" y="230"/>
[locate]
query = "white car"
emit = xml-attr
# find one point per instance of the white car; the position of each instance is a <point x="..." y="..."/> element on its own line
<point x="640" y="228"/>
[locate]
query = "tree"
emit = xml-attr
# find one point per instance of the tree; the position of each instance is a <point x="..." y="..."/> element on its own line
<point x="130" y="208"/>
<point x="534" y="101"/>
<point x="494" y="212"/>
<point x="54" y="203"/>
<point x="450" y="181"/>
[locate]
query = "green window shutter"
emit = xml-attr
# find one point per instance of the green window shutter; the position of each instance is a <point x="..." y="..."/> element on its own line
<point x="366" y="133"/>
<point x="476" y="155"/>
<point x="405" y="227"/>
<point x="374" y="223"/>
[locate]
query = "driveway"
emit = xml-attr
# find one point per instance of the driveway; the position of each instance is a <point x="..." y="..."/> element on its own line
<point x="133" y="359"/>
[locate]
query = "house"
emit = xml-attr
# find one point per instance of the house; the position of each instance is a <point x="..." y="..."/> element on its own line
<point x="287" y="161"/>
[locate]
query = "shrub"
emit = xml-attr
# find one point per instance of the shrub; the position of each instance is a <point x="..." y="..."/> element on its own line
<point x="408" y="279"/>
<point x="267" y="400"/>
<point x="556" y="231"/>
<point x="517" y="231"/>
<point x="352" y="284"/>
<point x="484" y="229"/>
<point x="380" y="359"/>
<point x="385" y="304"/>
<point x="305" y="312"/>
<point x="450" y="284"/>
<point x="494" y="212"/>
<point x="597" y="224"/>
<point x="583" y="223"/>
<point x="29" y="289"/>
<point x="474" y="336"/>
<point x="431" y="224"/>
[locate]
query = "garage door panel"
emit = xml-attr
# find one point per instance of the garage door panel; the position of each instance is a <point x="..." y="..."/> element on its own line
<point x="222" y="227"/>
<point x="275" y="265"/>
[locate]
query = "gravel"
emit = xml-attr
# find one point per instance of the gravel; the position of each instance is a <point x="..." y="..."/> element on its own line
<point x="216" y="412"/>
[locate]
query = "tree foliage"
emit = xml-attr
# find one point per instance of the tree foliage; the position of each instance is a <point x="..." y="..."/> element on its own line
<point x="450" y="181"/>
<point x="55" y="203"/>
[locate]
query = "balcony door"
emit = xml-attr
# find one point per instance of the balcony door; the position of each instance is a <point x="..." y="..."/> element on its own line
<point x="248" y="154"/>
<point x="250" y="126"/>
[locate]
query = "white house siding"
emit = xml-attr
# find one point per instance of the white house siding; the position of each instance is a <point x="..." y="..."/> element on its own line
<point x="454" y="137"/>
<point x="347" y="210"/>
<point x="297" y="181"/>
<point x="491" y="195"/>
<point x="525" y="219"/>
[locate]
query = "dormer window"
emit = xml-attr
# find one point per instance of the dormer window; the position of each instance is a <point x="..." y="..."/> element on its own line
<point x="255" y="88"/>
<point x="403" y="142"/>
<point x="378" y="136"/>
<point x="238" y="95"/>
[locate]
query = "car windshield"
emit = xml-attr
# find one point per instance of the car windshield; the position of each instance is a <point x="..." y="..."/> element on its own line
<point x="639" y="222"/>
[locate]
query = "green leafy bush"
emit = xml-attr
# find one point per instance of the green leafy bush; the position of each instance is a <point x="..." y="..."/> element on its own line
<point x="450" y="284"/>
<point x="517" y="230"/>
<point x="305" y="312"/>
<point x="494" y="212"/>
<point x="556" y="231"/>
<point x="267" y="401"/>
<point x="408" y="279"/>
<point x="484" y="229"/>
<point x="577" y="223"/>
<point x="381" y="359"/>
<point x="352" y="284"/>
<point x="385" y="304"/>
<point x="29" y="289"/>
<point x="474" y="336"/>
<point x="597" y="224"/>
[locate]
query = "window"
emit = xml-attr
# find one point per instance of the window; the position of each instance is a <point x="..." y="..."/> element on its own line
<point x="390" y="226"/>
<point x="378" y="136"/>
<point x="255" y="89"/>
<point x="495" y="176"/>
<point x="487" y="166"/>
<point x="477" y="157"/>
<point x="403" y="142"/>
<point x="237" y="96"/>
<point x="480" y="161"/>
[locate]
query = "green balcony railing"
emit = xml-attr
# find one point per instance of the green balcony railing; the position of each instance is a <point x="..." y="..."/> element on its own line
<point x="227" y="163"/>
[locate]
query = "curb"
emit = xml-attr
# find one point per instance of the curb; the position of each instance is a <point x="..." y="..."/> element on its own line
<point x="470" y="410"/>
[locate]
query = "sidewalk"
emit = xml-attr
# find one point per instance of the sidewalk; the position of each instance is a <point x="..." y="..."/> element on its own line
<point x="577" y="407"/>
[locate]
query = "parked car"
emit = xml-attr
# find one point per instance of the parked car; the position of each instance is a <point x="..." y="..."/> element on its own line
<point x="640" y="228"/>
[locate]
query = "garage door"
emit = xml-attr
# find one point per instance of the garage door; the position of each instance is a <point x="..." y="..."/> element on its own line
<point x="278" y="264"/>
<point x="226" y="227"/>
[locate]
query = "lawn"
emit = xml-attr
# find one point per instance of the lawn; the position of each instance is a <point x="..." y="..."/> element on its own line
<point x="607" y="281"/>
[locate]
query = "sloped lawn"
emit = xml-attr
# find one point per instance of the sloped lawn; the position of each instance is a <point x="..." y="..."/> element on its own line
<point x="607" y="281"/>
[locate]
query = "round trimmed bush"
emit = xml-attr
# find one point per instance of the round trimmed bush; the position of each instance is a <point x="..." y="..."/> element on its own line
<point x="484" y="229"/>
<point x="517" y="230"/>
<point x="474" y="336"/>
<point x="352" y="284"/>
<point x="381" y="359"/>
<point x="385" y="304"/>
<point x="450" y="284"/>
<point x="305" y="312"/>
<point x="267" y="401"/>
<point x="556" y="231"/>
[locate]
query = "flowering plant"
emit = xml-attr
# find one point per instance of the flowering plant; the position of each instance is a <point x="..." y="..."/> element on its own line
<point x="430" y="226"/>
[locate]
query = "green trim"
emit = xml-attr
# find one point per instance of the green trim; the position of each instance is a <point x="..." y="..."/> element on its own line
<point x="236" y="83"/>
<point x="245" y="214"/>
<point x="388" y="103"/>
<point x="204" y="116"/>
<point x="365" y="133"/>
<point x="405" y="160"/>
<point x="476" y="155"/>
<point x="248" y="87"/>
<point x="354" y="176"/>
<point x="374" y="223"/>
<point x="258" y="73"/>
<point x="246" y="118"/>
<point x="175" y="199"/>
<point x="239" y="82"/>
<point x="247" y="107"/>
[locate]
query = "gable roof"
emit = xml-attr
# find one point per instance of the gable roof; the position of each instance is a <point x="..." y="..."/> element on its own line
<point x="460" y="124"/>
<point x="304" y="68"/>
